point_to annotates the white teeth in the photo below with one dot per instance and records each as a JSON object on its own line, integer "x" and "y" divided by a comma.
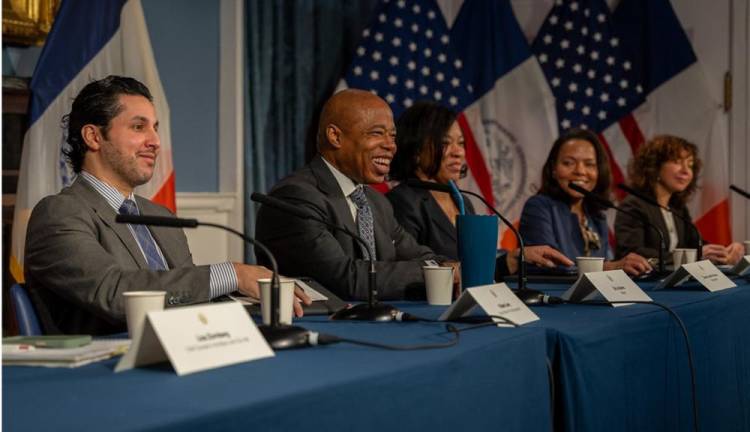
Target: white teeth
{"x": 382, "y": 161}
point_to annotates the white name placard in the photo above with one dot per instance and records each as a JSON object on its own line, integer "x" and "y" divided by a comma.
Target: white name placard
{"x": 197, "y": 338}
{"x": 496, "y": 300}
{"x": 742, "y": 268}
{"x": 705, "y": 272}
{"x": 612, "y": 285}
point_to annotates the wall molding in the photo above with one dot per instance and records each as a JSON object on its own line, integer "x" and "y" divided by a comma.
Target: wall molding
{"x": 210, "y": 245}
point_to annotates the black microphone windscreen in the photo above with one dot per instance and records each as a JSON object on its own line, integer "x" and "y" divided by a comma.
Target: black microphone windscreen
{"x": 428, "y": 185}
{"x": 579, "y": 189}
{"x": 587, "y": 193}
{"x": 279, "y": 205}
{"x": 156, "y": 221}
{"x": 641, "y": 196}
{"x": 740, "y": 191}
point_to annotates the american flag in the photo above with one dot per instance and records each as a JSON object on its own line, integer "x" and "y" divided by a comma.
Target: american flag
{"x": 406, "y": 56}
{"x": 590, "y": 74}
{"x": 610, "y": 72}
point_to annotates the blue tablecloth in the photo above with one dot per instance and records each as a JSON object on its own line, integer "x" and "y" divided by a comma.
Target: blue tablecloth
{"x": 626, "y": 368}
{"x": 494, "y": 379}
{"x": 616, "y": 369}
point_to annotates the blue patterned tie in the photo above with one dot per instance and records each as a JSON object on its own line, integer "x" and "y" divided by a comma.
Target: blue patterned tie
{"x": 365, "y": 221}
{"x": 143, "y": 237}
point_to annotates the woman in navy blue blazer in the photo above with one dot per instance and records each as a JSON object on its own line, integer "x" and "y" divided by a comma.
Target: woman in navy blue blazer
{"x": 563, "y": 218}
{"x": 431, "y": 148}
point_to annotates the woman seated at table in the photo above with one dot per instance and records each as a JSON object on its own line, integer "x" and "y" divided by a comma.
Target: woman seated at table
{"x": 665, "y": 169}
{"x": 431, "y": 148}
{"x": 563, "y": 218}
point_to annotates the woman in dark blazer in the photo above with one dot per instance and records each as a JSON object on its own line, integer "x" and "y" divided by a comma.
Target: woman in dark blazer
{"x": 665, "y": 169}
{"x": 431, "y": 148}
{"x": 563, "y": 218}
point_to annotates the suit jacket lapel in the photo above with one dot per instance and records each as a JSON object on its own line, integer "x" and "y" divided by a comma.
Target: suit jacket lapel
{"x": 438, "y": 215}
{"x": 656, "y": 216}
{"x": 107, "y": 215}
{"x": 162, "y": 235}
{"x": 329, "y": 186}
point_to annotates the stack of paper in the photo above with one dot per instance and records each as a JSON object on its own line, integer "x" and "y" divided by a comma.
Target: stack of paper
{"x": 64, "y": 357}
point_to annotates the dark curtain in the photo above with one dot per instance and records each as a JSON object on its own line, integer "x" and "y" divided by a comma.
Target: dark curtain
{"x": 297, "y": 51}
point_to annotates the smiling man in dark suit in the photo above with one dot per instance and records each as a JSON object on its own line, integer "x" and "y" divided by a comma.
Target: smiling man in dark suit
{"x": 356, "y": 143}
{"x": 78, "y": 259}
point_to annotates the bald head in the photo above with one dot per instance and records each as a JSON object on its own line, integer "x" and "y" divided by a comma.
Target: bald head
{"x": 345, "y": 109}
{"x": 356, "y": 134}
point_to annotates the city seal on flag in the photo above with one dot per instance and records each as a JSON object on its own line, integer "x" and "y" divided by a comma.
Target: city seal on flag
{"x": 507, "y": 163}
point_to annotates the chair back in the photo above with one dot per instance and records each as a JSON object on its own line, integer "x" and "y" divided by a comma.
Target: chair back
{"x": 28, "y": 323}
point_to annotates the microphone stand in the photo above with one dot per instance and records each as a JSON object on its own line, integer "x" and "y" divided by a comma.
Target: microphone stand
{"x": 607, "y": 203}
{"x": 373, "y": 310}
{"x": 525, "y": 294}
{"x": 279, "y": 336}
{"x": 653, "y": 202}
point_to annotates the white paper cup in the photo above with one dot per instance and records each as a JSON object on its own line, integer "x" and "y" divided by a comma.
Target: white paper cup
{"x": 747, "y": 247}
{"x": 286, "y": 300}
{"x": 439, "y": 284}
{"x": 682, "y": 256}
{"x": 137, "y": 305}
{"x": 589, "y": 264}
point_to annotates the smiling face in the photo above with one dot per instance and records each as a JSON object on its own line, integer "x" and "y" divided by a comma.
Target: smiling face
{"x": 126, "y": 155}
{"x": 362, "y": 139}
{"x": 453, "y": 158}
{"x": 576, "y": 163}
{"x": 675, "y": 175}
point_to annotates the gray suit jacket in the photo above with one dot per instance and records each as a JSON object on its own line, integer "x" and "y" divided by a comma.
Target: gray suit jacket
{"x": 307, "y": 248}
{"x": 79, "y": 261}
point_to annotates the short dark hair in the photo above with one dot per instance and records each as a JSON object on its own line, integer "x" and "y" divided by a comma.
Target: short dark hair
{"x": 643, "y": 169}
{"x": 550, "y": 185}
{"x": 423, "y": 125}
{"x": 97, "y": 103}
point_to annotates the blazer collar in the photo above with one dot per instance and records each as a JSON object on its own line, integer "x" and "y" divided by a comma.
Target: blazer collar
{"x": 328, "y": 185}
{"x": 437, "y": 214}
{"x": 106, "y": 214}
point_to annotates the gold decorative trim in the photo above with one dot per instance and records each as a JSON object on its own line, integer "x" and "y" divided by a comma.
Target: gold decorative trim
{"x": 27, "y": 22}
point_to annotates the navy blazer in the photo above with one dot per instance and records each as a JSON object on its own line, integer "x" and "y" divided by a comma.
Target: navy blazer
{"x": 547, "y": 221}
{"x": 420, "y": 214}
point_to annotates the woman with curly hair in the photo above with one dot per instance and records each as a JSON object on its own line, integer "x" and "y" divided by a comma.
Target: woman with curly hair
{"x": 563, "y": 218}
{"x": 666, "y": 169}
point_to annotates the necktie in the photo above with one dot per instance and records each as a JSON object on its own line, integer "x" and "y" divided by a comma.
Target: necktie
{"x": 143, "y": 237}
{"x": 365, "y": 221}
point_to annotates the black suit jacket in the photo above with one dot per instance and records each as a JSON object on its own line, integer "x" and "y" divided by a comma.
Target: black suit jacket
{"x": 307, "y": 248}
{"x": 633, "y": 235}
{"x": 420, "y": 214}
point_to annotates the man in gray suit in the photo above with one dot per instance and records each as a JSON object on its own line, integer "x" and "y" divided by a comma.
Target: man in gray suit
{"x": 356, "y": 143}
{"x": 78, "y": 259}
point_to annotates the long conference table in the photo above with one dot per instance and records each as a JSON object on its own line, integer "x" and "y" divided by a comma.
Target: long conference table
{"x": 579, "y": 368}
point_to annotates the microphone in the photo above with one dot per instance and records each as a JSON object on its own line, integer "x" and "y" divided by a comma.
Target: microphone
{"x": 277, "y": 335}
{"x": 647, "y": 199}
{"x": 528, "y": 296}
{"x": 370, "y": 311}
{"x": 742, "y": 192}
{"x": 157, "y": 221}
{"x": 607, "y": 203}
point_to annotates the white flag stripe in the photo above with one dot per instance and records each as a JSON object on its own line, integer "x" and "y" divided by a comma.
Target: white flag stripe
{"x": 127, "y": 53}
{"x": 683, "y": 106}
{"x": 514, "y": 125}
